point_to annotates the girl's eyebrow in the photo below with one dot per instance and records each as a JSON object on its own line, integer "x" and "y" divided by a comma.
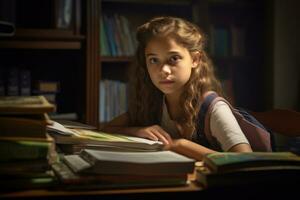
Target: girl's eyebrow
{"x": 173, "y": 52}
{"x": 151, "y": 54}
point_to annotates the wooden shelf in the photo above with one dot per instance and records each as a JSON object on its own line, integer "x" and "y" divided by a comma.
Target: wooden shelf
{"x": 43, "y": 39}
{"x": 108, "y": 59}
{"x": 49, "y": 34}
{"x": 158, "y": 2}
{"x": 41, "y": 44}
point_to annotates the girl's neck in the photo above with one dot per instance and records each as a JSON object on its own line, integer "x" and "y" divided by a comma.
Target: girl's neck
{"x": 173, "y": 105}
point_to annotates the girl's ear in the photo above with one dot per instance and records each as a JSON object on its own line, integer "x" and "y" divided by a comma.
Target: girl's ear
{"x": 196, "y": 56}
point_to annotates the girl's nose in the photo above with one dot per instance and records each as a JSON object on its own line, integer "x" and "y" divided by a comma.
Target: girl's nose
{"x": 166, "y": 69}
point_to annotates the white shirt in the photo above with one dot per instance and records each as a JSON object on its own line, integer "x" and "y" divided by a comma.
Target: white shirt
{"x": 223, "y": 125}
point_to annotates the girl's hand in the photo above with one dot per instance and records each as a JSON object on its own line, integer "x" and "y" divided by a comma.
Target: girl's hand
{"x": 188, "y": 148}
{"x": 176, "y": 145}
{"x": 154, "y": 132}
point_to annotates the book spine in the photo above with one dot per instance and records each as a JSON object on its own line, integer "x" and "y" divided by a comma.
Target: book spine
{"x": 25, "y": 83}
{"x": 23, "y": 150}
{"x": 13, "y": 82}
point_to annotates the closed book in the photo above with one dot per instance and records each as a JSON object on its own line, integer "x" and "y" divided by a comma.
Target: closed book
{"x": 23, "y": 149}
{"x": 137, "y": 163}
{"x": 279, "y": 175}
{"x": 23, "y": 125}
{"x": 47, "y": 86}
{"x": 27, "y": 148}
{"x": 25, "y": 105}
{"x": 229, "y": 161}
{"x": 72, "y": 180}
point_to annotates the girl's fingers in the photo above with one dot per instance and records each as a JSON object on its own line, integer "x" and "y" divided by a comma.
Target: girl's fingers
{"x": 152, "y": 136}
{"x": 165, "y": 134}
{"x": 160, "y": 136}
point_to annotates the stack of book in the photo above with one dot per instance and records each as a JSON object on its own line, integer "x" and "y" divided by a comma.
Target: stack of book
{"x": 25, "y": 148}
{"x": 75, "y": 138}
{"x": 122, "y": 169}
{"x": 259, "y": 168}
{"x": 105, "y": 160}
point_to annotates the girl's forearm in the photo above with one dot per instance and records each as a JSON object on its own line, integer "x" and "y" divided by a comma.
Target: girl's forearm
{"x": 190, "y": 149}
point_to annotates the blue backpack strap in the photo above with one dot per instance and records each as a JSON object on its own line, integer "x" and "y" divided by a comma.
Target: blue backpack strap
{"x": 201, "y": 138}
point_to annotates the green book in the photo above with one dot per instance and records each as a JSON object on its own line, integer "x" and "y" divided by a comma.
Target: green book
{"x": 280, "y": 175}
{"x": 14, "y": 150}
{"x": 229, "y": 161}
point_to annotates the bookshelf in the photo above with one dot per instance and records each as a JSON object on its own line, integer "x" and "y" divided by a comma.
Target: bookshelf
{"x": 238, "y": 46}
{"x": 55, "y": 41}
{"x": 236, "y": 41}
{"x": 115, "y": 65}
{"x": 72, "y": 55}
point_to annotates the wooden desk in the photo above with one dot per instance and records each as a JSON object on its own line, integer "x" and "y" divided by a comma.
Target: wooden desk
{"x": 187, "y": 192}
{"x": 133, "y": 193}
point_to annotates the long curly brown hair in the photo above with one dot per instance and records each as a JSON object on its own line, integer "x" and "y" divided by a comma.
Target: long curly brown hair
{"x": 145, "y": 103}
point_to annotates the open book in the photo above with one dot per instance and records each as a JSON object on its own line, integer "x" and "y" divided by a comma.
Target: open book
{"x": 129, "y": 163}
{"x": 83, "y": 138}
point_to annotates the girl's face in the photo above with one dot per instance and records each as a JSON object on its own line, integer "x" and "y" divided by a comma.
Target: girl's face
{"x": 169, "y": 64}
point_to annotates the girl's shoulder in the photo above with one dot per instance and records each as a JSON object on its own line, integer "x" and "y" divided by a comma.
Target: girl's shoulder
{"x": 207, "y": 93}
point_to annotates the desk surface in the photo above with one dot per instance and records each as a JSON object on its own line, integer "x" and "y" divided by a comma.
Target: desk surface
{"x": 190, "y": 187}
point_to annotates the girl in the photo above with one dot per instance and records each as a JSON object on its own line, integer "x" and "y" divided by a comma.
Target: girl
{"x": 172, "y": 75}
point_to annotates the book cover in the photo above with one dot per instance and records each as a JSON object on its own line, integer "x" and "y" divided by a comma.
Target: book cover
{"x": 24, "y": 125}
{"x": 47, "y": 86}
{"x": 229, "y": 161}
{"x": 12, "y": 150}
{"x": 137, "y": 163}
{"x": 25, "y": 105}
{"x": 279, "y": 175}
{"x": 73, "y": 180}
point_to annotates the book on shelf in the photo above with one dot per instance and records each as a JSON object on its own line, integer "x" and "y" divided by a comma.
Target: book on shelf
{"x": 25, "y": 82}
{"x": 12, "y": 82}
{"x": 100, "y": 162}
{"x": 25, "y": 105}
{"x": 94, "y": 139}
{"x": 64, "y": 14}
{"x": 230, "y": 161}
{"x": 116, "y": 36}
{"x": 47, "y": 86}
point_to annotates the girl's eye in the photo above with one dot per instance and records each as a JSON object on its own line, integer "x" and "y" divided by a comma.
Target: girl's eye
{"x": 174, "y": 59}
{"x": 153, "y": 60}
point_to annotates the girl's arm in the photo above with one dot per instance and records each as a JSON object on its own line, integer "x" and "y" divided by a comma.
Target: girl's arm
{"x": 196, "y": 151}
{"x": 120, "y": 125}
{"x": 188, "y": 148}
